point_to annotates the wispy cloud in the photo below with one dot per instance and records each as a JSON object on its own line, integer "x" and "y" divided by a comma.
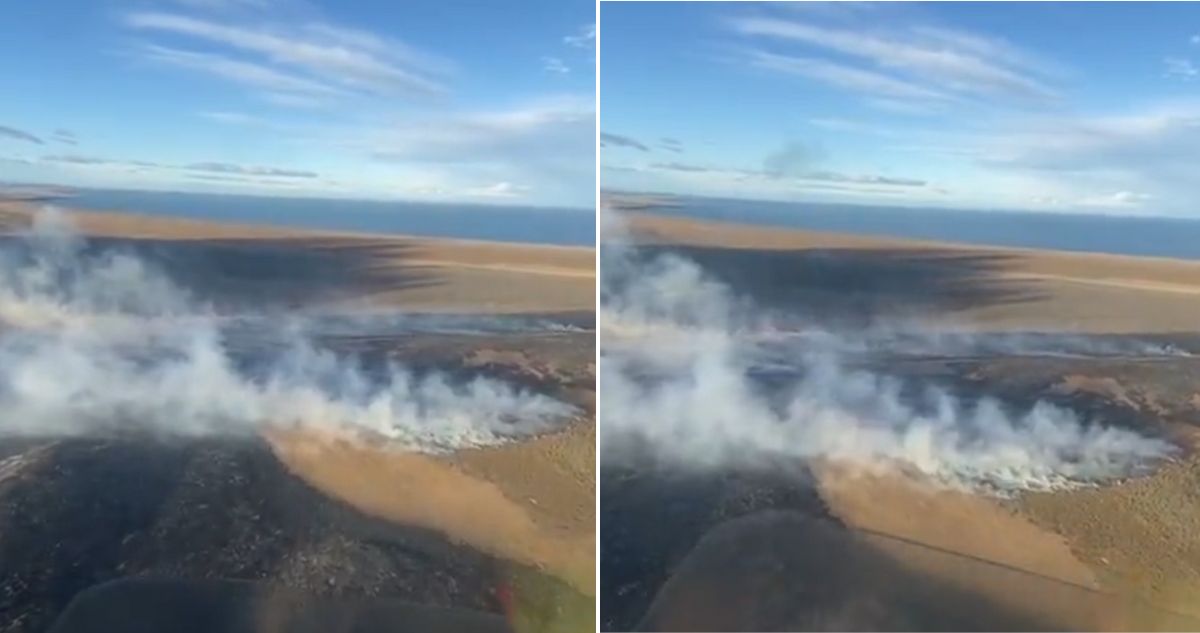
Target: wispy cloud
{"x": 562, "y": 125}
{"x": 1116, "y": 199}
{"x": 584, "y": 38}
{"x": 498, "y": 190}
{"x": 687, "y": 167}
{"x": 231, "y": 168}
{"x": 329, "y": 59}
{"x": 555, "y": 65}
{"x": 66, "y": 137}
{"x": 617, "y": 140}
{"x": 220, "y": 168}
{"x": 1180, "y": 68}
{"x": 837, "y": 124}
{"x": 908, "y": 62}
{"x": 1152, "y": 151}
{"x": 1153, "y": 139}
{"x": 846, "y": 77}
{"x": 245, "y": 181}
{"x": 1014, "y": 128}
{"x": 799, "y": 177}
{"x": 76, "y": 159}
{"x": 671, "y": 144}
{"x": 251, "y": 75}
{"x": 20, "y": 135}
{"x": 382, "y": 115}
{"x": 221, "y": 5}
{"x": 231, "y": 118}
{"x": 545, "y": 144}
{"x": 721, "y": 180}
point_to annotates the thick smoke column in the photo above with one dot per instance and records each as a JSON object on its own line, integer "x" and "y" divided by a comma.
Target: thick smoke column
{"x": 97, "y": 341}
{"x": 679, "y": 351}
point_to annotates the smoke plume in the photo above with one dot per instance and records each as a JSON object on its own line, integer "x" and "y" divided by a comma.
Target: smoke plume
{"x": 679, "y": 367}
{"x": 99, "y": 341}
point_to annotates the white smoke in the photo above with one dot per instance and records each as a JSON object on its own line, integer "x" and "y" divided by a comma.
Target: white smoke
{"x": 96, "y": 341}
{"x": 679, "y": 353}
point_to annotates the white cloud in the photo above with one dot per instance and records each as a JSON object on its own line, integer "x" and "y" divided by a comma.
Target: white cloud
{"x": 1126, "y": 198}
{"x": 941, "y": 59}
{"x": 840, "y": 125}
{"x": 206, "y": 167}
{"x": 987, "y": 48}
{"x": 351, "y": 59}
{"x": 585, "y": 38}
{"x": 551, "y": 129}
{"x": 554, "y": 65}
{"x": 1181, "y": 68}
{"x": 232, "y": 118}
{"x": 388, "y": 124}
{"x": 249, "y": 170}
{"x": 847, "y": 77}
{"x": 793, "y": 172}
{"x": 1133, "y": 159}
{"x": 224, "y": 4}
{"x": 547, "y": 145}
{"x": 498, "y": 190}
{"x": 1141, "y": 161}
{"x": 1151, "y": 139}
{"x": 294, "y": 100}
{"x": 1005, "y": 139}
{"x": 257, "y": 76}
{"x": 1117, "y": 200}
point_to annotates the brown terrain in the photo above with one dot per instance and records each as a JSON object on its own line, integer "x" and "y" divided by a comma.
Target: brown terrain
{"x": 952, "y": 285}
{"x": 1119, "y": 556}
{"x": 304, "y": 266}
{"x": 506, "y": 529}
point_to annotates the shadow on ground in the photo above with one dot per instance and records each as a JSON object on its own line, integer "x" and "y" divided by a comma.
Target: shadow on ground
{"x": 265, "y": 273}
{"x": 856, "y": 286}
{"x": 651, "y": 518}
{"x": 207, "y": 606}
{"x": 93, "y": 510}
{"x": 783, "y": 571}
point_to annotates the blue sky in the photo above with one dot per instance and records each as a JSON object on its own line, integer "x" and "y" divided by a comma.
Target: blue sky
{"x": 438, "y": 100}
{"x": 1070, "y": 107}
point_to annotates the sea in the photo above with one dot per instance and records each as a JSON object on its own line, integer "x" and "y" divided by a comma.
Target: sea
{"x": 1122, "y": 235}
{"x": 563, "y": 226}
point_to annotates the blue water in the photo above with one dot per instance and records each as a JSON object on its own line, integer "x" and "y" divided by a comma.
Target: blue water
{"x": 1144, "y": 236}
{"x": 482, "y": 222}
